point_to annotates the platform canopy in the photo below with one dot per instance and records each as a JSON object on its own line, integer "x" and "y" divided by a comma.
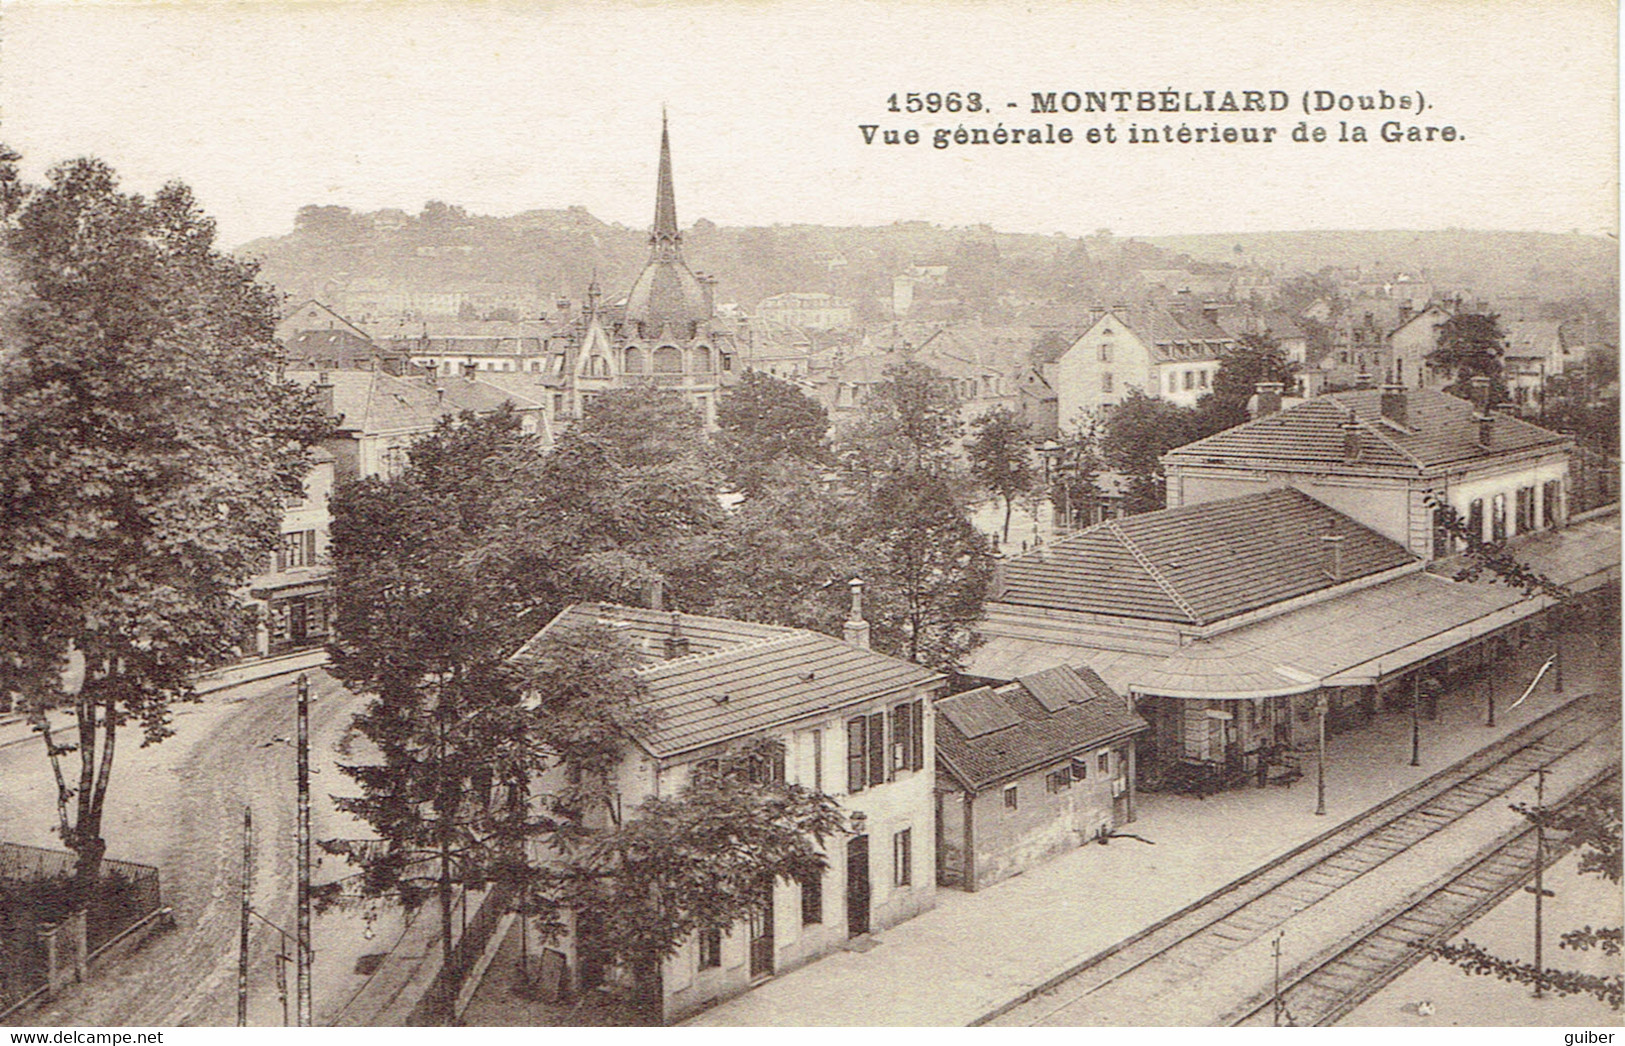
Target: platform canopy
{"x": 1354, "y": 639}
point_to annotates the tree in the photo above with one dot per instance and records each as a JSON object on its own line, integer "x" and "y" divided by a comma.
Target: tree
{"x": 701, "y": 861}
{"x": 1255, "y": 358}
{"x": 781, "y": 557}
{"x": 628, "y": 496}
{"x": 1470, "y": 344}
{"x": 1000, "y": 459}
{"x": 1591, "y": 822}
{"x": 909, "y": 422}
{"x": 1135, "y": 433}
{"x": 146, "y": 449}
{"x": 928, "y": 569}
{"x": 435, "y": 581}
{"x": 764, "y": 420}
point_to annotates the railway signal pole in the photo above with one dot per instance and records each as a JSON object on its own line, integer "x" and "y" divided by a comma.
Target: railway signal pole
{"x": 1539, "y": 889}
{"x": 1275, "y": 946}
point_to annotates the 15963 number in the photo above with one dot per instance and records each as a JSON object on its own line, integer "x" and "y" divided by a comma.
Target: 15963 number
{"x": 935, "y": 102}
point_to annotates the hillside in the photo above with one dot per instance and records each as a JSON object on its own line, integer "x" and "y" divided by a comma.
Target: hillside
{"x": 543, "y": 254}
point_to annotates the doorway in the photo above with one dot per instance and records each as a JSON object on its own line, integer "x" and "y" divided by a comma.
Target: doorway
{"x": 761, "y": 935}
{"x": 857, "y": 886}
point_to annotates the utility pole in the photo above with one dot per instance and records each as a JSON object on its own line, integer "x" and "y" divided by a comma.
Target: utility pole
{"x": 247, "y": 910}
{"x": 1539, "y": 888}
{"x": 1489, "y": 687}
{"x": 1416, "y": 720}
{"x": 1275, "y": 947}
{"x": 302, "y": 944}
{"x": 1320, "y": 757}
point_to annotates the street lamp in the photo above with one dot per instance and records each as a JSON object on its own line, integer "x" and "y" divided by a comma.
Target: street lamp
{"x": 1321, "y": 707}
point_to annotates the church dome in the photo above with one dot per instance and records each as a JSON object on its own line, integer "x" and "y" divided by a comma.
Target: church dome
{"x": 667, "y": 292}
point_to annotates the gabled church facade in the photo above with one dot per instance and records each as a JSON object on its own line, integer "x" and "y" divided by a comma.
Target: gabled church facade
{"x": 667, "y": 333}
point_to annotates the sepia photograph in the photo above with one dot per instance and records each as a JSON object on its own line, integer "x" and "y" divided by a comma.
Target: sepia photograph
{"x": 538, "y": 513}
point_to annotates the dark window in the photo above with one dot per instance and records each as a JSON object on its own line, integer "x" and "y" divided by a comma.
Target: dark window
{"x": 857, "y": 761}
{"x": 903, "y": 857}
{"x": 1526, "y": 509}
{"x": 1058, "y": 780}
{"x": 1010, "y": 798}
{"x": 1080, "y": 769}
{"x": 1106, "y": 760}
{"x": 1106, "y": 381}
{"x": 902, "y": 727}
{"x": 877, "y": 749}
{"x": 812, "y": 901}
{"x": 1498, "y": 518}
{"x": 1551, "y": 495}
{"x": 710, "y": 949}
{"x": 1475, "y": 518}
{"x": 917, "y": 757}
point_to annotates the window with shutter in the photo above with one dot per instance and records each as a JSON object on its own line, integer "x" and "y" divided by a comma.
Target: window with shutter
{"x": 917, "y": 757}
{"x": 857, "y": 732}
{"x": 903, "y": 857}
{"x": 902, "y": 723}
{"x": 877, "y": 748}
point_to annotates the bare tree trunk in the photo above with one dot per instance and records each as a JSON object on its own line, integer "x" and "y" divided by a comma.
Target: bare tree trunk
{"x": 86, "y": 839}
{"x": 1007, "y": 508}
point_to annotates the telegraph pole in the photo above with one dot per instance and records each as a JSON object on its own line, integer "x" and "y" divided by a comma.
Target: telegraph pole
{"x": 1540, "y": 861}
{"x": 302, "y": 944}
{"x": 1489, "y": 687}
{"x": 247, "y": 910}
{"x": 1275, "y": 946}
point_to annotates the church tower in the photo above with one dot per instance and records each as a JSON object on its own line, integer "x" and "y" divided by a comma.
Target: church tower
{"x": 668, "y": 333}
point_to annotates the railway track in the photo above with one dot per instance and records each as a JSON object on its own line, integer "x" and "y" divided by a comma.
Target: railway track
{"x": 1119, "y": 985}
{"x": 1328, "y": 988}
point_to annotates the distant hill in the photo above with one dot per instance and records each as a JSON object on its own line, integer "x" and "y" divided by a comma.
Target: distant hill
{"x": 1485, "y": 264}
{"x": 1002, "y": 277}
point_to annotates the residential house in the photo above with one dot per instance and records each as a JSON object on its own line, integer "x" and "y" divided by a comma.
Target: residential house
{"x": 1377, "y": 456}
{"x": 1029, "y": 770}
{"x": 1536, "y": 350}
{"x": 293, "y": 596}
{"x": 378, "y": 415}
{"x": 312, "y": 315}
{"x": 807, "y": 309}
{"x": 1169, "y": 354}
{"x": 1411, "y": 343}
{"x": 852, "y": 723}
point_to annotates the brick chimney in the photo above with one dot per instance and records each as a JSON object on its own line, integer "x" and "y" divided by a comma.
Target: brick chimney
{"x": 1394, "y": 405}
{"x": 1351, "y": 441}
{"x": 1269, "y": 398}
{"x": 676, "y": 642}
{"x": 856, "y": 629}
{"x": 1332, "y": 558}
{"x": 324, "y": 395}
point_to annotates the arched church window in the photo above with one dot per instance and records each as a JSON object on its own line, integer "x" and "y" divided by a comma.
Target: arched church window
{"x": 702, "y": 360}
{"x": 668, "y": 360}
{"x": 597, "y": 366}
{"x": 634, "y": 360}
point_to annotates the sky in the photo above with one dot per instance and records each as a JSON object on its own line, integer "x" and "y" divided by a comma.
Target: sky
{"x": 263, "y": 107}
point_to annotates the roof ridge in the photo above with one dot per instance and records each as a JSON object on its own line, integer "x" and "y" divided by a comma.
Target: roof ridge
{"x": 1150, "y": 568}
{"x": 757, "y": 643}
{"x": 1376, "y": 430}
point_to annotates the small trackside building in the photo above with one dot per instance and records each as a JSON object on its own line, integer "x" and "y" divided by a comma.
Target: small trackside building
{"x": 1029, "y": 770}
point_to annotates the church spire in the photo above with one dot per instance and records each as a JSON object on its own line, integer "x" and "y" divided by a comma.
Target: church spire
{"x": 665, "y": 231}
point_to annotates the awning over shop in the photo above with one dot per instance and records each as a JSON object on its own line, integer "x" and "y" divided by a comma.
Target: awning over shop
{"x": 288, "y": 584}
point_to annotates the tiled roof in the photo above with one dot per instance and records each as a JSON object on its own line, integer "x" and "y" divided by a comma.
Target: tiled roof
{"x": 1344, "y": 641}
{"x": 740, "y": 677}
{"x": 1199, "y": 563}
{"x": 373, "y": 401}
{"x": 1032, "y": 734}
{"x": 1439, "y": 430}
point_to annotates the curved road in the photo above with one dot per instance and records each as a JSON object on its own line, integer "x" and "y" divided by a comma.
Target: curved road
{"x": 184, "y": 799}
